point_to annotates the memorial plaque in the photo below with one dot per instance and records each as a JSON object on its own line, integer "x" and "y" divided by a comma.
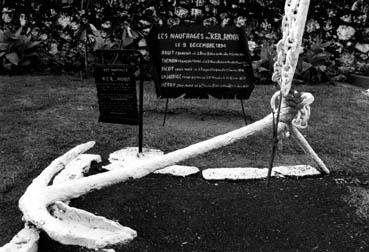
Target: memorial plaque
{"x": 199, "y": 61}
{"x": 116, "y": 93}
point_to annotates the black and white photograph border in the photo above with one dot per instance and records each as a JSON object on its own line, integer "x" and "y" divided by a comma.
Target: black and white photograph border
{"x": 265, "y": 147}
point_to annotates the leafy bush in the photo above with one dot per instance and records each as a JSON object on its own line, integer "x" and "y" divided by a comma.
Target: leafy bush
{"x": 74, "y": 29}
{"x": 314, "y": 64}
{"x": 264, "y": 67}
{"x": 17, "y": 51}
{"x": 363, "y": 69}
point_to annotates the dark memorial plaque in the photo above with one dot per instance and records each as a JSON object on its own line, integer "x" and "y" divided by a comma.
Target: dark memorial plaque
{"x": 199, "y": 61}
{"x": 116, "y": 93}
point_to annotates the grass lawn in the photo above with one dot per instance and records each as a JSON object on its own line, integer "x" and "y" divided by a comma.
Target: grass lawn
{"x": 41, "y": 117}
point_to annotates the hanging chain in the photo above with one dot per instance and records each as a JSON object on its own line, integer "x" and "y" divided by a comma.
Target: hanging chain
{"x": 275, "y": 137}
{"x": 288, "y": 50}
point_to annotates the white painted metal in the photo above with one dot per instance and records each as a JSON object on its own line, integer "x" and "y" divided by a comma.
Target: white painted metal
{"x": 129, "y": 156}
{"x": 76, "y": 168}
{"x": 25, "y": 241}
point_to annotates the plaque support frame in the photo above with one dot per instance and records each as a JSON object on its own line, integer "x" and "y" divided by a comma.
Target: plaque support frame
{"x": 139, "y": 56}
{"x": 166, "y": 111}
{"x": 243, "y": 112}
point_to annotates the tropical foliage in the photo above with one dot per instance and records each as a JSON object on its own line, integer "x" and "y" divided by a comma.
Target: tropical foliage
{"x": 17, "y": 50}
{"x": 336, "y": 41}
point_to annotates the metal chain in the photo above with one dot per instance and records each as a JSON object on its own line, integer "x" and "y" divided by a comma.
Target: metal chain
{"x": 288, "y": 50}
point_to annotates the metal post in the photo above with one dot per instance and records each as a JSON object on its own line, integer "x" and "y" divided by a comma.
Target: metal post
{"x": 140, "y": 112}
{"x": 243, "y": 112}
{"x": 166, "y": 110}
{"x": 275, "y": 138}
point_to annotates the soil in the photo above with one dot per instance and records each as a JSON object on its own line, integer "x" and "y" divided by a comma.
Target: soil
{"x": 191, "y": 214}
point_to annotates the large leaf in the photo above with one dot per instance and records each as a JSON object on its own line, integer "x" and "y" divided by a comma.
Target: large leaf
{"x": 257, "y": 63}
{"x": 129, "y": 36}
{"x": 126, "y": 40}
{"x": 19, "y": 42}
{"x": 95, "y": 31}
{"x": 33, "y": 54}
{"x": 19, "y": 31}
{"x": 266, "y": 52}
{"x": 33, "y": 44}
{"x": 305, "y": 66}
{"x": 13, "y": 58}
{"x": 111, "y": 45}
{"x": 83, "y": 34}
{"x": 17, "y": 34}
{"x": 25, "y": 63}
{"x": 3, "y": 36}
{"x": 4, "y": 46}
{"x": 326, "y": 44}
{"x": 262, "y": 69}
{"x": 319, "y": 57}
{"x": 99, "y": 43}
{"x": 26, "y": 39}
{"x": 8, "y": 66}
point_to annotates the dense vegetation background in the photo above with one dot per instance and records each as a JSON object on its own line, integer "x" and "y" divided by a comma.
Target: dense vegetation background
{"x": 61, "y": 36}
